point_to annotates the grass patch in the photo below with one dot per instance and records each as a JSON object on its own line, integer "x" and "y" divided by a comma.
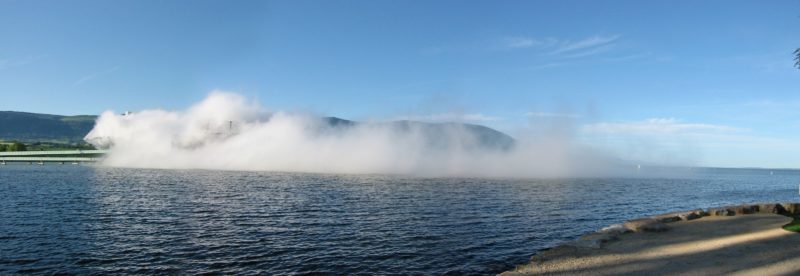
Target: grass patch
{"x": 793, "y": 226}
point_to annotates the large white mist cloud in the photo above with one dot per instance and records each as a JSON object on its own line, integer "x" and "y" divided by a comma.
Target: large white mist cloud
{"x": 226, "y": 131}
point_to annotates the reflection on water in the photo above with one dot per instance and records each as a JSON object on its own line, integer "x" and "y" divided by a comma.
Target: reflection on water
{"x": 102, "y": 220}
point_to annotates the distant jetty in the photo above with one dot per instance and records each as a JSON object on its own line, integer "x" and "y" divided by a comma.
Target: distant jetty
{"x": 60, "y": 157}
{"x": 749, "y": 239}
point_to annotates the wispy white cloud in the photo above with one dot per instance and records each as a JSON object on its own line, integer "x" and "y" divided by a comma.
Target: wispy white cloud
{"x": 516, "y": 42}
{"x": 85, "y": 79}
{"x": 92, "y": 76}
{"x": 450, "y": 116}
{"x": 590, "y": 52}
{"x": 587, "y": 43}
{"x": 671, "y": 141}
{"x": 562, "y": 48}
{"x": 10, "y": 63}
{"x": 548, "y": 65}
{"x": 520, "y": 42}
{"x": 551, "y": 115}
{"x": 656, "y": 126}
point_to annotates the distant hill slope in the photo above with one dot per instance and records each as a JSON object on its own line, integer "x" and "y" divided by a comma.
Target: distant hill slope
{"x": 34, "y": 127}
{"x": 442, "y": 135}
{"x": 24, "y": 126}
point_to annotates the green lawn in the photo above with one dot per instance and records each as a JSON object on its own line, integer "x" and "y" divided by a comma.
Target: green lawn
{"x": 793, "y": 226}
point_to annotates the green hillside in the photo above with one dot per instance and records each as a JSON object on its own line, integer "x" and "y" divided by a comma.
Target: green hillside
{"x": 34, "y": 127}
{"x": 48, "y": 132}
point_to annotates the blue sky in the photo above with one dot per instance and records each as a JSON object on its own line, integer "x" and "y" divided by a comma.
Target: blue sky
{"x": 689, "y": 82}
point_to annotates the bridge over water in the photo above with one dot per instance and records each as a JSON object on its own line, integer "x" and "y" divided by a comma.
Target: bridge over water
{"x": 59, "y": 156}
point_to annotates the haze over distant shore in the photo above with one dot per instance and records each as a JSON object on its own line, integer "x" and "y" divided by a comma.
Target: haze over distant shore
{"x": 226, "y": 131}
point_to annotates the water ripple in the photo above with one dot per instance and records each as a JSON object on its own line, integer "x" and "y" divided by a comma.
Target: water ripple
{"x": 84, "y": 220}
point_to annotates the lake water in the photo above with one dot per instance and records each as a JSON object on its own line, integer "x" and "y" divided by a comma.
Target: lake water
{"x": 94, "y": 220}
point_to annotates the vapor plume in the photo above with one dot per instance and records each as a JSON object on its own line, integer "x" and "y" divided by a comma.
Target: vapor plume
{"x": 228, "y": 132}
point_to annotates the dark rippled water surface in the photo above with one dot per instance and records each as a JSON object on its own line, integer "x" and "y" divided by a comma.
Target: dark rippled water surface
{"x": 86, "y": 220}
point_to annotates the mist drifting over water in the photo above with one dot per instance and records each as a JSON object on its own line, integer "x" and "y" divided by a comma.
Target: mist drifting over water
{"x": 228, "y": 132}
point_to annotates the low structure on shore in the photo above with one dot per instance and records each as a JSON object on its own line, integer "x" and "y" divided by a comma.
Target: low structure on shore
{"x": 745, "y": 239}
{"x": 59, "y": 156}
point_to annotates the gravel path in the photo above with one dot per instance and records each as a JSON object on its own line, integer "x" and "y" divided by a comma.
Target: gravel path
{"x": 745, "y": 245}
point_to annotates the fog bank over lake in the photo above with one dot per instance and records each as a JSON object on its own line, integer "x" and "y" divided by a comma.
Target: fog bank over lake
{"x": 227, "y": 131}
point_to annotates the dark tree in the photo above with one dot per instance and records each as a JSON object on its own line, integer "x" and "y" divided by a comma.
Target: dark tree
{"x": 797, "y": 58}
{"x": 17, "y": 146}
